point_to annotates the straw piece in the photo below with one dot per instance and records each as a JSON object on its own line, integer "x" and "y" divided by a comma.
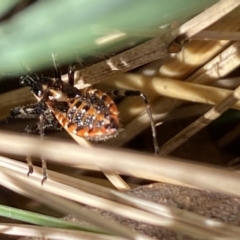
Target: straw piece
{"x": 19, "y": 183}
{"x": 147, "y": 52}
{"x": 196, "y": 53}
{"x": 217, "y": 35}
{"x": 112, "y": 176}
{"x": 51, "y": 233}
{"x": 162, "y": 106}
{"x": 153, "y": 49}
{"x": 166, "y": 87}
{"x": 218, "y": 67}
{"x": 206, "y": 18}
{"x": 160, "y": 215}
{"x": 124, "y": 162}
{"x": 200, "y": 123}
{"x": 191, "y": 92}
{"x": 193, "y": 55}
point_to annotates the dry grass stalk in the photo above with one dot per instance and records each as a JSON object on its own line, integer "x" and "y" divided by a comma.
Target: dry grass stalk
{"x": 166, "y": 87}
{"x": 200, "y": 123}
{"x": 218, "y": 67}
{"x": 112, "y": 176}
{"x": 191, "y": 92}
{"x": 153, "y": 49}
{"x": 182, "y": 112}
{"x": 192, "y": 56}
{"x": 113, "y": 66}
{"x": 128, "y": 206}
{"x": 124, "y": 162}
{"x": 206, "y": 18}
{"x": 216, "y": 35}
{"x": 51, "y": 233}
{"x": 147, "y": 52}
{"x": 163, "y": 106}
{"x": 20, "y": 184}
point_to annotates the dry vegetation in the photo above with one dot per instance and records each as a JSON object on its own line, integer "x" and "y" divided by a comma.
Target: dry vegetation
{"x": 188, "y": 191}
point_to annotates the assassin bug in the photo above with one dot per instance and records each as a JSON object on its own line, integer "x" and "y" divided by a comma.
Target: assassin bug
{"x": 89, "y": 113}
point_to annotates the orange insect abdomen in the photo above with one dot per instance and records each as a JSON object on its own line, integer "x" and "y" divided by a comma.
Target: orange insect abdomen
{"x": 92, "y": 115}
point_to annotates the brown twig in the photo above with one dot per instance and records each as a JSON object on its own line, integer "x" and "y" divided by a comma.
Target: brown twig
{"x": 142, "y": 54}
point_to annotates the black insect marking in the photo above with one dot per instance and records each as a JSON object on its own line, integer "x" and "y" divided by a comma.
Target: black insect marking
{"x": 78, "y": 103}
{"x": 104, "y": 98}
{"x": 86, "y": 108}
{"x": 71, "y": 91}
{"x": 113, "y": 124}
{"x": 79, "y": 128}
{"x": 61, "y": 106}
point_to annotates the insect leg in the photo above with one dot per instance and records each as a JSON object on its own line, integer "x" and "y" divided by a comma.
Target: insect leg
{"x": 132, "y": 93}
{"x": 28, "y": 111}
{"x": 46, "y": 120}
{"x": 30, "y": 165}
{"x": 41, "y": 132}
{"x": 34, "y": 110}
{"x": 50, "y": 122}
